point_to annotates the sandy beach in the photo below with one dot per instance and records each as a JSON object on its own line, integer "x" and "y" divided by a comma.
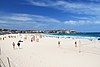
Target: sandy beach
{"x": 38, "y": 50}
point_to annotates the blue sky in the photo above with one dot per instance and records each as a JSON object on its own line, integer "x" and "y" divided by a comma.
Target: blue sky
{"x": 79, "y": 15}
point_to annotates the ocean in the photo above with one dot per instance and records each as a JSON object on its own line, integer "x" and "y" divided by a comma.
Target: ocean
{"x": 80, "y": 35}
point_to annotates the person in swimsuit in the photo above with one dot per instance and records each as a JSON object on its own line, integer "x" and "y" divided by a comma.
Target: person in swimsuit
{"x": 13, "y": 45}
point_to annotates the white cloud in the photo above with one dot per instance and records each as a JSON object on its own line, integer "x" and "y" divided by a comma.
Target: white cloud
{"x": 91, "y": 11}
{"x": 3, "y": 21}
{"x": 19, "y": 18}
{"x": 28, "y": 18}
{"x": 97, "y": 22}
{"x": 71, "y": 22}
{"x": 16, "y": 17}
{"x": 38, "y": 3}
{"x": 79, "y": 8}
{"x": 31, "y": 22}
{"x": 79, "y": 22}
{"x": 44, "y": 19}
{"x": 28, "y": 21}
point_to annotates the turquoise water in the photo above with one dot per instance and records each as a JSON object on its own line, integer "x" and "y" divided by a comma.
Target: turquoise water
{"x": 80, "y": 35}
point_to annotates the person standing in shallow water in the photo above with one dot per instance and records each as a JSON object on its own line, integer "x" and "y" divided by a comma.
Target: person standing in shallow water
{"x": 13, "y": 45}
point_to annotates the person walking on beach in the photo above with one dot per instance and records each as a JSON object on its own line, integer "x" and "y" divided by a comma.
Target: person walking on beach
{"x": 3, "y": 38}
{"x": 75, "y": 44}
{"x": 18, "y": 44}
{"x": 13, "y": 45}
{"x": 58, "y": 43}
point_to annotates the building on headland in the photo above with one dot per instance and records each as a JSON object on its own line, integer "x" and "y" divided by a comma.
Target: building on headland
{"x": 7, "y": 31}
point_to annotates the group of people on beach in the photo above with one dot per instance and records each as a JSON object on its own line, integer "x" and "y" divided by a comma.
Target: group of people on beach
{"x": 76, "y": 44}
{"x": 34, "y": 39}
{"x": 18, "y": 44}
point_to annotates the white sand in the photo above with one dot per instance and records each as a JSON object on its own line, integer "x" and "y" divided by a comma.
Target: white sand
{"x": 47, "y": 53}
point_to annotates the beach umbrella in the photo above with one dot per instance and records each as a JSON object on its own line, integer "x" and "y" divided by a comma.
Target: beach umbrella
{"x": 20, "y": 41}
